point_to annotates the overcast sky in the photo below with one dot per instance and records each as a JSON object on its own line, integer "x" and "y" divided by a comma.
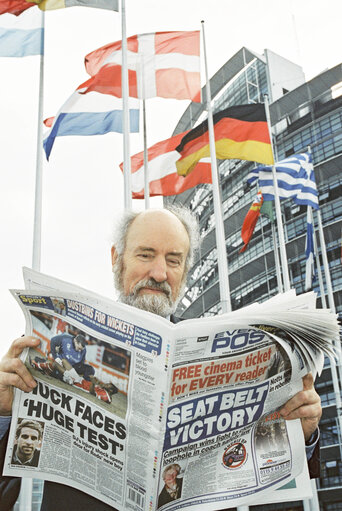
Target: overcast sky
{"x": 83, "y": 186}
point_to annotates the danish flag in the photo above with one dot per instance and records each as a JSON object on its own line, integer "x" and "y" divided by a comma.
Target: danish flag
{"x": 163, "y": 64}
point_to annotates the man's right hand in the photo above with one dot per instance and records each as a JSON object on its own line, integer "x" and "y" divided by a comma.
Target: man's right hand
{"x": 13, "y": 373}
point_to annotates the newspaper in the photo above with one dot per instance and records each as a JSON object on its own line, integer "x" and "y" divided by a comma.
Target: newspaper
{"x": 165, "y": 416}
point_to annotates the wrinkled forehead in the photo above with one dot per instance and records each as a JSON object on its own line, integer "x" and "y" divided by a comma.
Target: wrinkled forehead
{"x": 158, "y": 228}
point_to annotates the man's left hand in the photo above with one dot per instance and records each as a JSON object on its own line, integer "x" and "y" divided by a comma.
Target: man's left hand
{"x": 306, "y": 406}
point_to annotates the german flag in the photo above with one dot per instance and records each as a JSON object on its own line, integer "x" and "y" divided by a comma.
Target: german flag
{"x": 241, "y": 132}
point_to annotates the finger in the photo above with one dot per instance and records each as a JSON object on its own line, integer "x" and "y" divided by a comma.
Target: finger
{"x": 14, "y": 380}
{"x": 308, "y": 412}
{"x": 308, "y": 382}
{"x": 304, "y": 397}
{"x": 16, "y": 367}
{"x": 18, "y": 346}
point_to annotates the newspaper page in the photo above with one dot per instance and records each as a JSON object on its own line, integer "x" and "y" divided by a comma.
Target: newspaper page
{"x": 83, "y": 428}
{"x": 156, "y": 415}
{"x": 224, "y": 434}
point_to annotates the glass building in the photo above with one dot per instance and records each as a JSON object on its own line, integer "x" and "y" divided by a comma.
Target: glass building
{"x": 303, "y": 114}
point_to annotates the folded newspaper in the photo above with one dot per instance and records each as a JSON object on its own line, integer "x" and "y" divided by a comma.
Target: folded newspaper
{"x": 144, "y": 414}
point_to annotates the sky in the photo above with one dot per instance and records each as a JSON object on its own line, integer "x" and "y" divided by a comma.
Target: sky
{"x": 82, "y": 182}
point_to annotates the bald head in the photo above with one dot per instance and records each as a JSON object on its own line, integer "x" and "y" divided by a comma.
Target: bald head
{"x": 150, "y": 261}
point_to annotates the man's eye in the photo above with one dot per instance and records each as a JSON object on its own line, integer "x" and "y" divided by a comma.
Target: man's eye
{"x": 144, "y": 256}
{"x": 174, "y": 262}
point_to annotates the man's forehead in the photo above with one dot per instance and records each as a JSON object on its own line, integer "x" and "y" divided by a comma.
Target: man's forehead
{"x": 29, "y": 431}
{"x": 153, "y": 226}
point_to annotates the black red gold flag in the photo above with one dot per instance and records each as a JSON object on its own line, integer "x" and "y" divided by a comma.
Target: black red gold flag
{"x": 241, "y": 132}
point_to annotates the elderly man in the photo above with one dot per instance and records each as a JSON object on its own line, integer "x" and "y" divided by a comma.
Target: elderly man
{"x": 151, "y": 256}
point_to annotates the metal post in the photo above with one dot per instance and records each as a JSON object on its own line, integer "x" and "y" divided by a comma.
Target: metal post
{"x": 125, "y": 116}
{"x": 37, "y": 225}
{"x": 219, "y": 227}
{"x": 282, "y": 247}
{"x": 146, "y": 175}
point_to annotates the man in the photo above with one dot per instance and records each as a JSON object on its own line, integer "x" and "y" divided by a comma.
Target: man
{"x": 28, "y": 436}
{"x": 172, "y": 489}
{"x": 151, "y": 256}
{"x": 69, "y": 365}
{"x": 69, "y": 354}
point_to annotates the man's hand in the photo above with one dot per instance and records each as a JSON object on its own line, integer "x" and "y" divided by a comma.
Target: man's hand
{"x": 305, "y": 405}
{"x": 13, "y": 373}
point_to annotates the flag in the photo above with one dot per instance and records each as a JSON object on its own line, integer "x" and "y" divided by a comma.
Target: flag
{"x": 241, "y": 132}
{"x": 15, "y": 7}
{"x": 90, "y": 114}
{"x": 309, "y": 252}
{"x": 18, "y": 6}
{"x": 267, "y": 210}
{"x": 295, "y": 177}
{"x": 23, "y": 35}
{"x": 163, "y": 64}
{"x": 162, "y": 171}
{"x": 250, "y": 220}
{"x": 47, "y": 5}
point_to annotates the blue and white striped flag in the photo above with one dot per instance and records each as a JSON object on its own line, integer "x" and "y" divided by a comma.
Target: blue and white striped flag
{"x": 90, "y": 114}
{"x": 295, "y": 177}
{"x": 309, "y": 252}
{"x": 21, "y": 36}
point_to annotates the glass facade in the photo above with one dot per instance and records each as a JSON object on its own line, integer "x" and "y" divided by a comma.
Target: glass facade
{"x": 308, "y": 116}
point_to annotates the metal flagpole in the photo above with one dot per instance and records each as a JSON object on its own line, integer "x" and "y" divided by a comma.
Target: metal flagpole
{"x": 283, "y": 257}
{"x": 37, "y": 225}
{"x": 125, "y": 116}
{"x": 146, "y": 176}
{"x": 276, "y": 259}
{"x": 219, "y": 225}
{"x": 26, "y": 489}
{"x": 25, "y": 499}
{"x": 319, "y": 271}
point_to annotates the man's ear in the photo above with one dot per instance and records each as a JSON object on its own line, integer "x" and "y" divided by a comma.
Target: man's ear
{"x": 114, "y": 255}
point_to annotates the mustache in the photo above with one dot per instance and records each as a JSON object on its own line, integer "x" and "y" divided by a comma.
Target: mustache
{"x": 152, "y": 284}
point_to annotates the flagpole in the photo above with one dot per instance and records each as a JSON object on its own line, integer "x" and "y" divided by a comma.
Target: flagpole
{"x": 125, "y": 117}
{"x": 308, "y": 274}
{"x": 319, "y": 271}
{"x": 219, "y": 224}
{"x": 37, "y": 224}
{"x": 25, "y": 499}
{"x": 276, "y": 259}
{"x": 146, "y": 176}
{"x": 282, "y": 247}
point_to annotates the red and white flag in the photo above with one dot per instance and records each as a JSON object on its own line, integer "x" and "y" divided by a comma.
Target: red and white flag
{"x": 162, "y": 170}
{"x": 163, "y": 64}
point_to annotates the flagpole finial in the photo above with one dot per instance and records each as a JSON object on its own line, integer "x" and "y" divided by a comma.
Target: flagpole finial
{"x": 202, "y": 21}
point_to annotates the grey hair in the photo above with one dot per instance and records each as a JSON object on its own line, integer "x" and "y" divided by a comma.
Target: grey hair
{"x": 173, "y": 466}
{"x": 183, "y": 214}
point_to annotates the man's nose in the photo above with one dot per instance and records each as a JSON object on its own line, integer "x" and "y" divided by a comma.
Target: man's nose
{"x": 158, "y": 269}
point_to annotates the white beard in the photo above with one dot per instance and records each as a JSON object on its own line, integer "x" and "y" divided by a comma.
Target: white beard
{"x": 161, "y": 304}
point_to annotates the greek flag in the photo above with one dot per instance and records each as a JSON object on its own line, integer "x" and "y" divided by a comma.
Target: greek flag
{"x": 309, "y": 252}
{"x": 295, "y": 178}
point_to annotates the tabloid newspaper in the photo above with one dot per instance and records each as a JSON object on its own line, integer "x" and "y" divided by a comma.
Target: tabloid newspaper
{"x": 155, "y": 415}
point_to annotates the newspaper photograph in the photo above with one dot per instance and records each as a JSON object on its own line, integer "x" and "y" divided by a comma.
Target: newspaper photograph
{"x": 144, "y": 414}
